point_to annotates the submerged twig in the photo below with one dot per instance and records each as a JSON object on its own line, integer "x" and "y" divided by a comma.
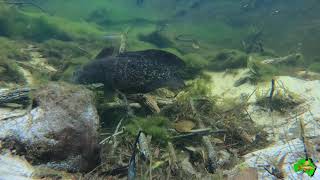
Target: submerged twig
{"x": 271, "y": 94}
{"x": 199, "y": 132}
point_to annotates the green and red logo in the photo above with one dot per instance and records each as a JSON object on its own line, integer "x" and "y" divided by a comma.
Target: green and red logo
{"x": 305, "y": 166}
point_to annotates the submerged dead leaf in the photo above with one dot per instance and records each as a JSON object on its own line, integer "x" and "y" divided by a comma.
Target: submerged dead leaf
{"x": 184, "y": 126}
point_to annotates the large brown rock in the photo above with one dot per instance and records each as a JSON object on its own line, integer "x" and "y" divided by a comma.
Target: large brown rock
{"x": 59, "y": 132}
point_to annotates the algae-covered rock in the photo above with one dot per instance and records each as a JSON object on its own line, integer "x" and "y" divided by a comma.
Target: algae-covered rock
{"x": 59, "y": 132}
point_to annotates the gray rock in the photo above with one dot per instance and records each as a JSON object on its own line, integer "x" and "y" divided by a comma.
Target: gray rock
{"x": 60, "y": 129}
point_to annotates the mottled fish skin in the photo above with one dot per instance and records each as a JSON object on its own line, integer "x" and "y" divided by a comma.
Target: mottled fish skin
{"x": 133, "y": 72}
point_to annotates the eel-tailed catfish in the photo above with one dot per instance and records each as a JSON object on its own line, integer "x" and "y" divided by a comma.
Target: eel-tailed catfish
{"x": 134, "y": 72}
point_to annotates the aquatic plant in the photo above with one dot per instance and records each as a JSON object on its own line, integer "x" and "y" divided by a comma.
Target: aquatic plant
{"x": 9, "y": 72}
{"x": 10, "y": 49}
{"x": 155, "y": 126}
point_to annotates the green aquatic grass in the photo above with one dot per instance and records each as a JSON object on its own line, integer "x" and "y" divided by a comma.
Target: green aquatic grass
{"x": 9, "y": 72}
{"x": 10, "y": 49}
{"x": 156, "y": 126}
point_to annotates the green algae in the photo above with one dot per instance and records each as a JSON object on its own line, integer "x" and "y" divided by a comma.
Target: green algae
{"x": 9, "y": 72}
{"x": 155, "y": 126}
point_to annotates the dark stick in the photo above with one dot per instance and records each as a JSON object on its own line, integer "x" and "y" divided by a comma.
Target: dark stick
{"x": 271, "y": 94}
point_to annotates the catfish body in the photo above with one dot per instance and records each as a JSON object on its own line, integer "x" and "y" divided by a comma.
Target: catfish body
{"x": 134, "y": 72}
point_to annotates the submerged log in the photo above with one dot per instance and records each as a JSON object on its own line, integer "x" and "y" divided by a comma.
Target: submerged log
{"x": 16, "y": 95}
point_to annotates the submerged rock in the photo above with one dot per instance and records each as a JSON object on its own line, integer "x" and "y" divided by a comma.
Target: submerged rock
{"x": 133, "y": 72}
{"x": 15, "y": 167}
{"x": 59, "y": 132}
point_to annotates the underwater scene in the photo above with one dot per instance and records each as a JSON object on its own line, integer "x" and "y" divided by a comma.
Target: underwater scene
{"x": 159, "y": 89}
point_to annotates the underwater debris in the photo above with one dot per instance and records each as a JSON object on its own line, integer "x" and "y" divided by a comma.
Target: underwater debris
{"x": 134, "y": 72}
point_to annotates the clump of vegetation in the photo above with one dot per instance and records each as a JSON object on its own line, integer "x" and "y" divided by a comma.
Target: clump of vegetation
{"x": 9, "y": 72}
{"x": 12, "y": 50}
{"x": 196, "y": 89}
{"x": 228, "y": 59}
{"x": 156, "y": 126}
{"x": 281, "y": 101}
